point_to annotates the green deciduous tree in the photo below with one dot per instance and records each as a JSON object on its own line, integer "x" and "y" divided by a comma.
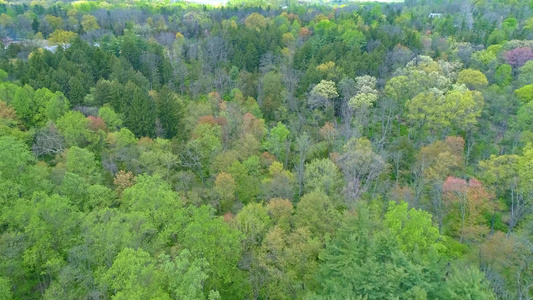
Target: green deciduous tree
{"x": 436, "y": 111}
{"x": 323, "y": 175}
{"x": 61, "y": 36}
{"x": 57, "y": 106}
{"x": 503, "y": 75}
{"x": 155, "y": 200}
{"x": 133, "y": 275}
{"x": 89, "y": 23}
{"x": 5, "y": 289}
{"x": 110, "y": 117}
{"x": 51, "y": 230}
{"x": 82, "y": 162}
{"x": 74, "y": 127}
{"x": 413, "y": 229}
{"x": 209, "y": 237}
{"x": 277, "y": 141}
{"x": 473, "y": 79}
{"x": 14, "y": 158}
{"x": 202, "y": 149}
{"x": 318, "y": 213}
{"x": 254, "y": 222}
{"x": 272, "y": 89}
{"x": 246, "y": 182}
{"x": 23, "y": 104}
{"x": 525, "y": 93}
{"x": 467, "y": 283}
{"x": 225, "y": 188}
{"x": 322, "y": 94}
{"x": 255, "y": 21}
{"x": 525, "y": 74}
{"x": 185, "y": 276}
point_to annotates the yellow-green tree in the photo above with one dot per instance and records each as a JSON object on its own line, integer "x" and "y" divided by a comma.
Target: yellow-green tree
{"x": 438, "y": 112}
{"x": 61, "y": 36}
{"x": 89, "y": 23}
{"x": 473, "y": 79}
{"x": 255, "y": 21}
{"x": 225, "y": 188}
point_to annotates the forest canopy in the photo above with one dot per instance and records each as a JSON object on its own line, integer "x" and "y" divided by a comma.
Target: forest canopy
{"x": 266, "y": 150}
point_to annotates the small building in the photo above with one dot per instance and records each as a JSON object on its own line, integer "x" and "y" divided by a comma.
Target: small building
{"x": 52, "y": 49}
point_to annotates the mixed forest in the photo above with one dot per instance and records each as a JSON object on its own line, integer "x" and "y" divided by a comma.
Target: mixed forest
{"x": 266, "y": 150}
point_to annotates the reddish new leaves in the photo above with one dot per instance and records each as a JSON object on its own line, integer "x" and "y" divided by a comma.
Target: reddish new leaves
{"x": 519, "y": 56}
{"x": 96, "y": 123}
{"x": 470, "y": 200}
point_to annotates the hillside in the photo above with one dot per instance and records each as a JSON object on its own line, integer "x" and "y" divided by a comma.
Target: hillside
{"x": 266, "y": 150}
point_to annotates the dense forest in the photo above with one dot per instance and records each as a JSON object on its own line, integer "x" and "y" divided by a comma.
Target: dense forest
{"x": 266, "y": 150}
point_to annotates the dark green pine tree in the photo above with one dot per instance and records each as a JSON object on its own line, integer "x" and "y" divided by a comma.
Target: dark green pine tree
{"x": 251, "y": 58}
{"x": 116, "y": 95}
{"x": 35, "y": 25}
{"x": 139, "y": 110}
{"x": 37, "y": 72}
{"x": 132, "y": 49}
{"x": 76, "y": 91}
{"x": 102, "y": 92}
{"x": 169, "y": 112}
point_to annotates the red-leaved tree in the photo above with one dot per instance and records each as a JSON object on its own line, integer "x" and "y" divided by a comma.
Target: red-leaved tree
{"x": 519, "y": 56}
{"x": 470, "y": 199}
